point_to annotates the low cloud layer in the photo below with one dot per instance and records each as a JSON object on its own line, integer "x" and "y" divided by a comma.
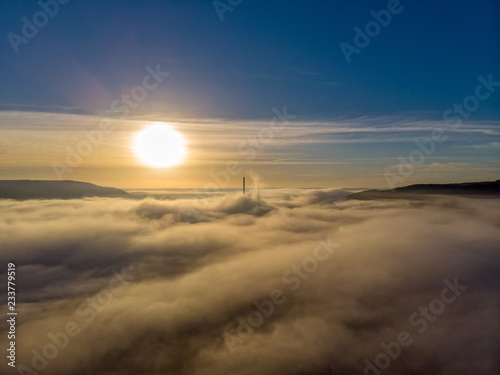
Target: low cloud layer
{"x": 161, "y": 287}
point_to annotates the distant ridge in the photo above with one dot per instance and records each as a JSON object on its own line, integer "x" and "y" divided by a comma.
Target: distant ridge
{"x": 46, "y": 189}
{"x": 476, "y": 189}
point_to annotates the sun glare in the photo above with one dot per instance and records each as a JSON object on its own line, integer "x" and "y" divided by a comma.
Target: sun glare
{"x": 159, "y": 146}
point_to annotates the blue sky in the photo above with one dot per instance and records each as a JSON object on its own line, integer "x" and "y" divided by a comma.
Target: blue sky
{"x": 265, "y": 55}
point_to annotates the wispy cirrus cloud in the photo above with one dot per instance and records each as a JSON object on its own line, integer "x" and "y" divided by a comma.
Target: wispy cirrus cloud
{"x": 34, "y": 140}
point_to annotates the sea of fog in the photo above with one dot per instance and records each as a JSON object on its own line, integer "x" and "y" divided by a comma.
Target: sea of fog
{"x": 279, "y": 281}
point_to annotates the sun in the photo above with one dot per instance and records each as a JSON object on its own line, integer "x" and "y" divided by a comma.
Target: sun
{"x": 159, "y": 146}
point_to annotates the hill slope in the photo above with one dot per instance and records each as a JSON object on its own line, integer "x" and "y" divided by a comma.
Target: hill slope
{"x": 476, "y": 189}
{"x": 35, "y": 189}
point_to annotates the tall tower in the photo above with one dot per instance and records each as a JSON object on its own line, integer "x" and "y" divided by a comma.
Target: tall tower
{"x": 243, "y": 185}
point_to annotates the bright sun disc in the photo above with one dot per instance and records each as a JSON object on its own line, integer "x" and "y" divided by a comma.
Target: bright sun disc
{"x": 159, "y": 146}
